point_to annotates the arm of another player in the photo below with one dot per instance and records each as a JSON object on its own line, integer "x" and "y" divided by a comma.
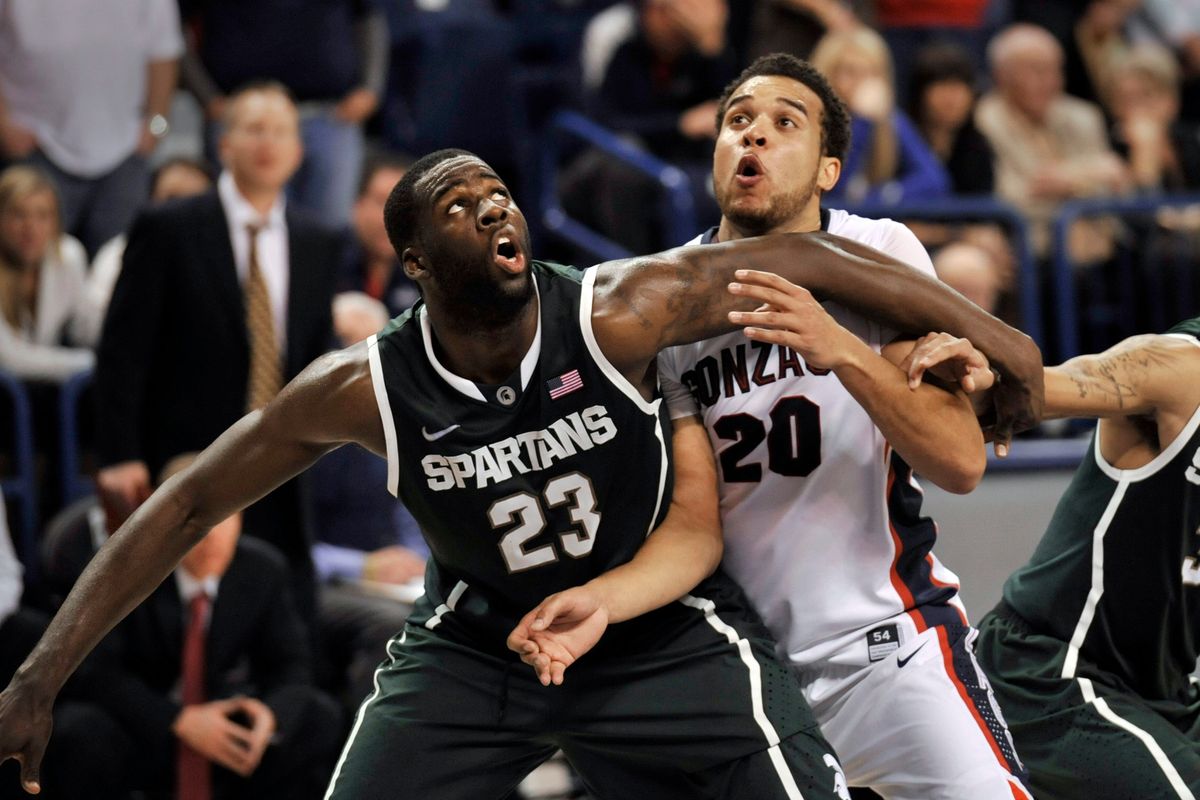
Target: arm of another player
{"x": 679, "y": 296}
{"x": 933, "y": 429}
{"x": 1149, "y": 374}
{"x": 329, "y": 403}
{"x": 681, "y": 552}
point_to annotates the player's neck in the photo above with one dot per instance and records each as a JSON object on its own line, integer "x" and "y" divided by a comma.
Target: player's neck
{"x": 804, "y": 222}
{"x": 484, "y": 353}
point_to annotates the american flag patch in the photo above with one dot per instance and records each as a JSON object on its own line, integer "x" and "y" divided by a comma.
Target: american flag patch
{"x": 564, "y": 384}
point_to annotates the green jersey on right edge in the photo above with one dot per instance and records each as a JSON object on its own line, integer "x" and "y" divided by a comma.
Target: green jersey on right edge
{"x": 1117, "y": 574}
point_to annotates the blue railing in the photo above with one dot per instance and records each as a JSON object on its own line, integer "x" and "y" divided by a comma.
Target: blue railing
{"x": 74, "y": 483}
{"x": 1065, "y": 270}
{"x": 21, "y": 486}
{"x": 677, "y": 213}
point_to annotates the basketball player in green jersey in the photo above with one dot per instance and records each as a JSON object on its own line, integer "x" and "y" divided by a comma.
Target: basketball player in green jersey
{"x": 516, "y": 407}
{"x": 1092, "y": 648}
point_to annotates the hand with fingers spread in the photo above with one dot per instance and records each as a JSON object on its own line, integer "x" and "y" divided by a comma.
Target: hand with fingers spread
{"x": 208, "y": 729}
{"x": 25, "y": 725}
{"x": 951, "y": 359}
{"x": 789, "y": 315}
{"x": 559, "y": 631}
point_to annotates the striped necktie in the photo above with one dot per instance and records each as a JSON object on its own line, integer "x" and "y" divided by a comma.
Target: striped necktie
{"x": 266, "y": 371}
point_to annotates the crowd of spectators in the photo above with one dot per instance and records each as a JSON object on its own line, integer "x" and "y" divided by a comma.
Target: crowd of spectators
{"x": 195, "y": 285}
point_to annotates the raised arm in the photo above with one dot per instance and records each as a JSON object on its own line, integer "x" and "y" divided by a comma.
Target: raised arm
{"x": 331, "y": 402}
{"x": 645, "y": 304}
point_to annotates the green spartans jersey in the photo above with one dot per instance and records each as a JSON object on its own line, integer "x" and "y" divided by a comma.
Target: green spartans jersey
{"x": 1117, "y": 575}
{"x": 526, "y": 488}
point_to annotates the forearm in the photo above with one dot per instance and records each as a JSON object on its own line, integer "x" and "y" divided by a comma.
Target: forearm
{"x": 371, "y": 34}
{"x": 933, "y": 430}
{"x": 129, "y": 566}
{"x": 196, "y": 79}
{"x": 669, "y": 565}
{"x": 685, "y": 548}
{"x": 882, "y": 288}
{"x": 857, "y": 276}
{"x": 39, "y": 362}
{"x": 161, "y": 79}
{"x": 257, "y": 454}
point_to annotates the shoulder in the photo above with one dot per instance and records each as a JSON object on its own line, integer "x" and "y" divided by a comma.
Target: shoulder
{"x": 990, "y": 112}
{"x": 181, "y": 214}
{"x": 892, "y": 237}
{"x": 1076, "y": 112}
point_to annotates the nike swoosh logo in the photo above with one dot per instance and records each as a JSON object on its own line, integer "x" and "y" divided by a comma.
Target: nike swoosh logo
{"x": 900, "y": 662}
{"x": 433, "y": 437}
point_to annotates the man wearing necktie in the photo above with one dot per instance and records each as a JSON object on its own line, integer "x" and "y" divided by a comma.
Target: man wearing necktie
{"x": 222, "y": 298}
{"x": 205, "y": 689}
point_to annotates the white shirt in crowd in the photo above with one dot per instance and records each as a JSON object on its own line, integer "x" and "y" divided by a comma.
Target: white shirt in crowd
{"x": 11, "y": 585}
{"x": 32, "y": 351}
{"x": 74, "y": 73}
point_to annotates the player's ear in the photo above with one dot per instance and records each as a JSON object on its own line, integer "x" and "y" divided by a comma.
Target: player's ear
{"x": 414, "y": 263}
{"x": 828, "y": 173}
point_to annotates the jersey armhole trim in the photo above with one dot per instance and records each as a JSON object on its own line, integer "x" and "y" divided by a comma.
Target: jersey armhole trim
{"x": 1187, "y": 337}
{"x": 385, "y": 415}
{"x": 614, "y": 376}
{"x": 1155, "y": 464}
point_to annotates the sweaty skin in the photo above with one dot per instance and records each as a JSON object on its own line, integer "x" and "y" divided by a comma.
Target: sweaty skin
{"x": 641, "y": 305}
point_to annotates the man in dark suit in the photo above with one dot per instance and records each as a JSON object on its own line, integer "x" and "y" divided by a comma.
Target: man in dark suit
{"x": 206, "y": 688}
{"x": 222, "y": 298}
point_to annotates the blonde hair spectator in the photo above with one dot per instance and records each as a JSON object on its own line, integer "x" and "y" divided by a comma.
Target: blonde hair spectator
{"x": 41, "y": 280}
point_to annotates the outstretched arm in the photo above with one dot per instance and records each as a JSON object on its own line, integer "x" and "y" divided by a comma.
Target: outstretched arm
{"x": 679, "y": 296}
{"x": 1138, "y": 376}
{"x": 331, "y": 402}
{"x": 680, "y": 553}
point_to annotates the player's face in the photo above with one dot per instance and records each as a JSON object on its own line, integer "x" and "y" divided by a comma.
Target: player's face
{"x": 475, "y": 240}
{"x": 767, "y": 165}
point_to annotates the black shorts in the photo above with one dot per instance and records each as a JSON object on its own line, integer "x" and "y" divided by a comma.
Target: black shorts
{"x": 707, "y": 711}
{"x": 1086, "y": 737}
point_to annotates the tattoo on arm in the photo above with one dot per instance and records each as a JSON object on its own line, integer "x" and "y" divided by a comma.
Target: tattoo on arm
{"x": 1118, "y": 376}
{"x": 681, "y": 295}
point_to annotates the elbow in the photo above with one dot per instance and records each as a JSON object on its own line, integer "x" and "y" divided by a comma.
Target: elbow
{"x": 963, "y": 474}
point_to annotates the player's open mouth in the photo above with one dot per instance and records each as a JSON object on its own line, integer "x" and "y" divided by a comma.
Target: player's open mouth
{"x": 749, "y": 171}
{"x": 508, "y": 256}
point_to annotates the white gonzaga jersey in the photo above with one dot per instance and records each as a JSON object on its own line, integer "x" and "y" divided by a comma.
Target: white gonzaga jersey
{"x": 822, "y": 520}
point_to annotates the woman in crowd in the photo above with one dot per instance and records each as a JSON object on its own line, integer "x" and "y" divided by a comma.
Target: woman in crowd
{"x": 942, "y": 103}
{"x": 888, "y": 160}
{"x": 42, "y": 274}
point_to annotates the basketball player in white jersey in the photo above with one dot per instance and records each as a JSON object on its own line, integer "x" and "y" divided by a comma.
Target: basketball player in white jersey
{"x": 817, "y": 450}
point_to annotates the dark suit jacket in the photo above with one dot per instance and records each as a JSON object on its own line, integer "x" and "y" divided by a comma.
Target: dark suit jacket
{"x": 255, "y": 647}
{"x": 174, "y": 357}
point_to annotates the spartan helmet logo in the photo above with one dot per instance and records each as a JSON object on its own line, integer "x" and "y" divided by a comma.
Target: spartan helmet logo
{"x": 506, "y": 396}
